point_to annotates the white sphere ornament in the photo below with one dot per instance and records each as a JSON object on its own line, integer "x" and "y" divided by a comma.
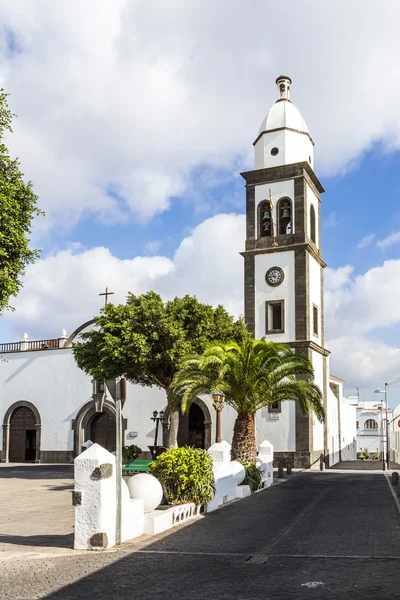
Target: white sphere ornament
{"x": 146, "y": 487}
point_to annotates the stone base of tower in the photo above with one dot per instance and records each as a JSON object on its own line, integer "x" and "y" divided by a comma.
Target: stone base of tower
{"x": 299, "y": 459}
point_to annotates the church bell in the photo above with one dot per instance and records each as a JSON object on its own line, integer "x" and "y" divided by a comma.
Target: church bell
{"x": 285, "y": 213}
{"x": 266, "y": 215}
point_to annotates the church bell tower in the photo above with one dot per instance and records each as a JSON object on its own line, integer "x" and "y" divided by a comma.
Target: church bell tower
{"x": 283, "y": 267}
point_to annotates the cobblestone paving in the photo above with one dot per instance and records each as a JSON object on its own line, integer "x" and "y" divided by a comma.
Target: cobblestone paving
{"x": 324, "y": 536}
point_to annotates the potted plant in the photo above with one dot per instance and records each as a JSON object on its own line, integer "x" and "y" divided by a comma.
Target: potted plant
{"x": 130, "y": 453}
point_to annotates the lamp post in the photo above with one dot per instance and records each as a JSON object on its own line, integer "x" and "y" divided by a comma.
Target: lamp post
{"x": 386, "y": 448}
{"x": 218, "y": 400}
{"x": 157, "y": 417}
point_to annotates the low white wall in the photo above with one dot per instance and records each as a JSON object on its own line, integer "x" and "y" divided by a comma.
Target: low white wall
{"x": 94, "y": 496}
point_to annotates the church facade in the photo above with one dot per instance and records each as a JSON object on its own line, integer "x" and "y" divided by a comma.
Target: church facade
{"x": 49, "y": 408}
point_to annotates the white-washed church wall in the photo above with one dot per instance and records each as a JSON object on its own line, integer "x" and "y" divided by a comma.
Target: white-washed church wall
{"x": 51, "y": 381}
{"x": 265, "y": 293}
{"x": 318, "y": 428}
{"x": 278, "y": 428}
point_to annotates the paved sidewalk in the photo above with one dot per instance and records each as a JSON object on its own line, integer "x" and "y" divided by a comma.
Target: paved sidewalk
{"x": 36, "y": 515}
{"x": 328, "y": 536}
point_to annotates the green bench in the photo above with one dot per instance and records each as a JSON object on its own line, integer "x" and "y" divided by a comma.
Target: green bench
{"x": 137, "y": 466}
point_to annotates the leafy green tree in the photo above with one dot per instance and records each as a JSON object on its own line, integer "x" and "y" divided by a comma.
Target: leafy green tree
{"x": 252, "y": 374}
{"x": 18, "y": 207}
{"x": 146, "y": 339}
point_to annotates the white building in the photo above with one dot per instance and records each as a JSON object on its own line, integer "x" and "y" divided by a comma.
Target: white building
{"x": 371, "y": 428}
{"x": 49, "y": 407}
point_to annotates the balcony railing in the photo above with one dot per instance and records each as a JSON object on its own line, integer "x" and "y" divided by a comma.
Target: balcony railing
{"x": 369, "y": 432}
{"x": 30, "y": 345}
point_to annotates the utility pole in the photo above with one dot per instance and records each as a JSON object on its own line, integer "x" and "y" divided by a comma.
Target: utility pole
{"x": 119, "y": 397}
{"x": 387, "y": 426}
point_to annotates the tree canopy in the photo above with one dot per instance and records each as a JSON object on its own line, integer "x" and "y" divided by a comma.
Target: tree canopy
{"x": 18, "y": 207}
{"x": 146, "y": 340}
{"x": 252, "y": 374}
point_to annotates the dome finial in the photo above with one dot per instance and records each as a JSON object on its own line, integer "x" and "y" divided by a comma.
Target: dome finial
{"x": 283, "y": 83}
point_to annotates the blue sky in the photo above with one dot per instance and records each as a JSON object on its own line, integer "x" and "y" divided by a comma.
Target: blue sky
{"x": 135, "y": 121}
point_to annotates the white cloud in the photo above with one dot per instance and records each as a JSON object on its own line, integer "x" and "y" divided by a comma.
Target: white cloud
{"x": 393, "y": 238}
{"x": 363, "y": 361}
{"x": 62, "y": 290}
{"x": 358, "y": 310}
{"x": 152, "y": 246}
{"x": 120, "y": 101}
{"x": 366, "y": 241}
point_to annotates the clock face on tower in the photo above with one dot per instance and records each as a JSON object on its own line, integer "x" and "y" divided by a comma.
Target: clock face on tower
{"x": 274, "y": 276}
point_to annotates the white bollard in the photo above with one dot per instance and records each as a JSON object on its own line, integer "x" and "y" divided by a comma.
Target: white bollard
{"x": 95, "y": 501}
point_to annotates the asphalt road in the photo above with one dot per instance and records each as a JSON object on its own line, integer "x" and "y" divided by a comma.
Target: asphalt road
{"x": 318, "y": 535}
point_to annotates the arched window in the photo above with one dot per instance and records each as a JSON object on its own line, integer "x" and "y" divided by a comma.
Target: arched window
{"x": 264, "y": 219}
{"x": 312, "y": 224}
{"x": 370, "y": 424}
{"x": 284, "y": 213}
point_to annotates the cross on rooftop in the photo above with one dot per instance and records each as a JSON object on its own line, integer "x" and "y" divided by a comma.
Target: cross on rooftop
{"x": 106, "y": 294}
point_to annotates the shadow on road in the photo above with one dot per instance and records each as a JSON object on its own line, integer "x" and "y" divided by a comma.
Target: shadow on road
{"x": 362, "y": 465}
{"x": 45, "y": 541}
{"x": 30, "y": 471}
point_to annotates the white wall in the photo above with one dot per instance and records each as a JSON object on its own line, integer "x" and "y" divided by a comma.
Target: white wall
{"x": 51, "y": 381}
{"x": 285, "y": 291}
{"x": 318, "y": 428}
{"x": 293, "y": 147}
{"x": 348, "y": 419}
{"x": 278, "y": 428}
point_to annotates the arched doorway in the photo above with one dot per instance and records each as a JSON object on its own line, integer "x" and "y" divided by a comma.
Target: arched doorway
{"x": 102, "y": 431}
{"x": 86, "y": 417}
{"x": 195, "y": 427}
{"x": 21, "y": 433}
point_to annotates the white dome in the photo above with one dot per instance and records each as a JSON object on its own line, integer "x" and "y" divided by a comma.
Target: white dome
{"x": 284, "y": 114}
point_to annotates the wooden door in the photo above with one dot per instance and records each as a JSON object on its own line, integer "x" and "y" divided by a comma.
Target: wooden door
{"x": 102, "y": 431}
{"x": 22, "y": 443}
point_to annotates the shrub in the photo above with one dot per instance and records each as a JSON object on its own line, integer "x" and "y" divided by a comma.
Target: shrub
{"x": 185, "y": 474}
{"x": 376, "y": 456}
{"x": 361, "y": 457}
{"x": 253, "y": 476}
{"x": 131, "y": 452}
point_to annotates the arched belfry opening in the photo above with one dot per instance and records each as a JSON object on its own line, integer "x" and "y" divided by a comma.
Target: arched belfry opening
{"x": 21, "y": 433}
{"x": 284, "y": 211}
{"x": 312, "y": 224}
{"x": 264, "y": 219}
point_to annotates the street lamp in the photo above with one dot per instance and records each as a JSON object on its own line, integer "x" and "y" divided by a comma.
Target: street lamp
{"x": 157, "y": 417}
{"x": 387, "y": 453}
{"x": 218, "y": 400}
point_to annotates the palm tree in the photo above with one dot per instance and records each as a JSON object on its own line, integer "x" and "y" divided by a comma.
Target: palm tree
{"x": 252, "y": 375}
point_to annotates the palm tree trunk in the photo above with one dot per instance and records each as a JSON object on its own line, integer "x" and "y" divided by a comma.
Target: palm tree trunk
{"x": 244, "y": 439}
{"x": 173, "y": 420}
{"x": 173, "y": 429}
